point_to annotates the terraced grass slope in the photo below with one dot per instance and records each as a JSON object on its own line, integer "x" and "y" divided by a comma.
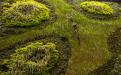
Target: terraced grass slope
{"x": 87, "y": 36}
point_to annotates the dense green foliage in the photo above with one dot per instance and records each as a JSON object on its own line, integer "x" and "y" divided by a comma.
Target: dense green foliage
{"x": 27, "y": 13}
{"x": 35, "y": 59}
{"x": 96, "y": 7}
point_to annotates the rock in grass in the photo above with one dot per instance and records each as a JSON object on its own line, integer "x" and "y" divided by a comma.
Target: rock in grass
{"x": 25, "y": 13}
{"x": 96, "y": 7}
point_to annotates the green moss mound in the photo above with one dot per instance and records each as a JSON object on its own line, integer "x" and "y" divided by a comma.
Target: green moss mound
{"x": 34, "y": 59}
{"x": 96, "y": 7}
{"x": 25, "y": 13}
{"x": 23, "y": 0}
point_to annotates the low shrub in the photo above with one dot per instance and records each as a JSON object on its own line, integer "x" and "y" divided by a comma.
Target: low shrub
{"x": 34, "y": 59}
{"x": 96, "y": 7}
{"x": 25, "y": 13}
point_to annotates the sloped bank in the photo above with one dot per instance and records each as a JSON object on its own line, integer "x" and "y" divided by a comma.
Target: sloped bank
{"x": 112, "y": 67}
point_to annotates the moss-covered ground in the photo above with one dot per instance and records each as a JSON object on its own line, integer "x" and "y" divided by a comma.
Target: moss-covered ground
{"x": 87, "y": 37}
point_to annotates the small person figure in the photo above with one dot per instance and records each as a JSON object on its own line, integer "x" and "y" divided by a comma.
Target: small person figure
{"x": 75, "y": 30}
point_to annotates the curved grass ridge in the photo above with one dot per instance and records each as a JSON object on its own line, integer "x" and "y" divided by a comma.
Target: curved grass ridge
{"x": 26, "y": 13}
{"x": 96, "y": 7}
{"x": 36, "y": 58}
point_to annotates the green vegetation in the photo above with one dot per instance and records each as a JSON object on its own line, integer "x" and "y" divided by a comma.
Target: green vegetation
{"x": 36, "y": 59}
{"x": 18, "y": 0}
{"x": 28, "y": 13}
{"x": 90, "y": 52}
{"x": 22, "y": 0}
{"x": 96, "y": 7}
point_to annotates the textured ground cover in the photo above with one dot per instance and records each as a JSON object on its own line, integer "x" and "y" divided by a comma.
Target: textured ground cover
{"x": 87, "y": 36}
{"x": 58, "y": 66}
